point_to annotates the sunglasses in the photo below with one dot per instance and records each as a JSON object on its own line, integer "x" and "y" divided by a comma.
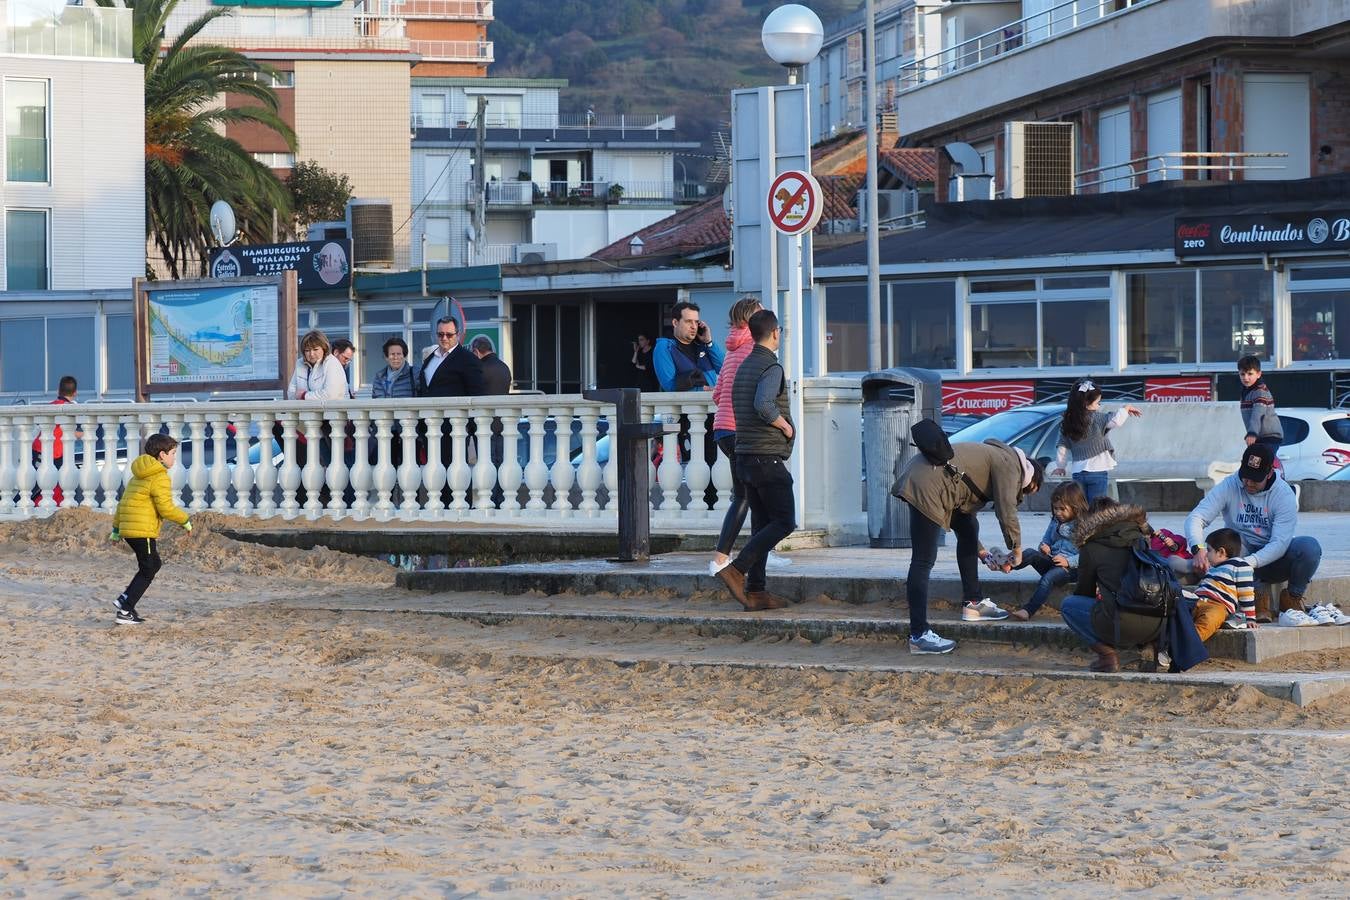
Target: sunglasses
{"x": 447, "y": 334}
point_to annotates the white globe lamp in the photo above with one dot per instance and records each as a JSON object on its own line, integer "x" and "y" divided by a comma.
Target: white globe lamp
{"x": 792, "y": 36}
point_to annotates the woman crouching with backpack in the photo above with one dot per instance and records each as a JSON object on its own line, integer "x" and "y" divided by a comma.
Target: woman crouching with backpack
{"x": 947, "y": 498}
{"x": 1106, "y": 537}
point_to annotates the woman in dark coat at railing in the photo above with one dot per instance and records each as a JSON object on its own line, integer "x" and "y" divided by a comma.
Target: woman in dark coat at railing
{"x": 397, "y": 379}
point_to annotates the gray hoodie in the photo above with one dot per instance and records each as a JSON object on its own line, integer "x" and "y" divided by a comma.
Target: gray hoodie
{"x": 1266, "y": 520}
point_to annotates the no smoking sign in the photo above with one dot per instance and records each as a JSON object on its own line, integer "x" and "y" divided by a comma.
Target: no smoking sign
{"x": 795, "y": 202}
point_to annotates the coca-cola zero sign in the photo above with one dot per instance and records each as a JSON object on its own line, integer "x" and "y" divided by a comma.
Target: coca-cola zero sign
{"x": 1223, "y": 235}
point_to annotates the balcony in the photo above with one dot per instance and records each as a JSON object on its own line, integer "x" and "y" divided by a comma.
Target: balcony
{"x": 453, "y": 51}
{"x": 438, "y": 10}
{"x": 51, "y": 28}
{"x": 556, "y": 126}
{"x": 576, "y": 193}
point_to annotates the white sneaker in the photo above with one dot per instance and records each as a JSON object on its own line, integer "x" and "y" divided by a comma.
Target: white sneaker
{"x": 1235, "y": 623}
{"x": 1337, "y": 617}
{"x": 929, "y": 642}
{"x": 984, "y": 611}
{"x": 1295, "y": 618}
{"x": 1321, "y": 615}
{"x": 774, "y": 561}
{"x": 714, "y": 566}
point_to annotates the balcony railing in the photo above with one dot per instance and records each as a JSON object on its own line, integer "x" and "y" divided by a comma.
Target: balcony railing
{"x": 446, "y": 10}
{"x": 1173, "y": 165}
{"x": 1062, "y": 18}
{"x": 551, "y": 465}
{"x": 575, "y": 126}
{"x": 574, "y": 193}
{"x": 453, "y": 51}
{"x": 54, "y": 29}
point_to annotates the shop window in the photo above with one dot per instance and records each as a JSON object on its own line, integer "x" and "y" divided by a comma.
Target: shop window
{"x": 1160, "y": 318}
{"x": 846, "y": 328}
{"x": 1315, "y": 318}
{"x": 121, "y": 355}
{"x": 923, "y": 324}
{"x": 1003, "y": 335}
{"x": 71, "y": 350}
{"x": 1077, "y": 333}
{"x": 1235, "y": 314}
{"x": 22, "y": 367}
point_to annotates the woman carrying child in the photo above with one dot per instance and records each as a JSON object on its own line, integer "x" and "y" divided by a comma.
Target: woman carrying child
{"x": 1056, "y": 559}
{"x": 1083, "y": 434}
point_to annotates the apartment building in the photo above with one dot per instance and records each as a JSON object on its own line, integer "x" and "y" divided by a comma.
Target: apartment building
{"x": 555, "y": 186}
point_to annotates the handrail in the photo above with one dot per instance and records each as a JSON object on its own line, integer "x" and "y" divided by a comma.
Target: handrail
{"x": 1163, "y": 167}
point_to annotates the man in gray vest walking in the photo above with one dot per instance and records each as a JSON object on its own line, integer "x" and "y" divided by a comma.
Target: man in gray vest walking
{"x": 764, "y": 438}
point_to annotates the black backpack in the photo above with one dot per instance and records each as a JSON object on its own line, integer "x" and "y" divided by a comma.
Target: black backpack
{"x": 1147, "y": 586}
{"x": 930, "y": 440}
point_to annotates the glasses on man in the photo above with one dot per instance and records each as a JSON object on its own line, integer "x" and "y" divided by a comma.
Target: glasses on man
{"x": 447, "y": 334}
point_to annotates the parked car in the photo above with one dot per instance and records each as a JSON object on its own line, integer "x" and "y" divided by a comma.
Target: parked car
{"x": 1032, "y": 429}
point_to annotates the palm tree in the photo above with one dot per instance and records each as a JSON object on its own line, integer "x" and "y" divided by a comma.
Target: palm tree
{"x": 189, "y": 162}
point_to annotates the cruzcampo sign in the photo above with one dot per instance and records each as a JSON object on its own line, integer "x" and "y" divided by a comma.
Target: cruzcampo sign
{"x": 1225, "y": 235}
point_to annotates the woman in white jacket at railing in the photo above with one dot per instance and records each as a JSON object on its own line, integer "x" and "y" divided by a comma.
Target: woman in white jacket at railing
{"x": 318, "y": 374}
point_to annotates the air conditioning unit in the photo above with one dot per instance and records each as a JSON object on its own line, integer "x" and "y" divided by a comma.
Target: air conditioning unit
{"x": 371, "y": 225}
{"x": 326, "y": 231}
{"x": 534, "y": 253}
{"x": 1040, "y": 159}
{"x": 890, "y": 205}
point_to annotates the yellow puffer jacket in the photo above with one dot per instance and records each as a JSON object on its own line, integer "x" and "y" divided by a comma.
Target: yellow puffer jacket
{"x": 147, "y": 501}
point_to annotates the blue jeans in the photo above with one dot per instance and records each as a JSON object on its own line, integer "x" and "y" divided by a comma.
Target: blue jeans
{"x": 1297, "y": 566}
{"x": 1077, "y": 612}
{"x": 1052, "y": 576}
{"x": 923, "y": 536}
{"x": 1092, "y": 483}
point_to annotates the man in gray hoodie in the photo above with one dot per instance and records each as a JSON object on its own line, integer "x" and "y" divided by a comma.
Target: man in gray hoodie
{"x": 1259, "y": 505}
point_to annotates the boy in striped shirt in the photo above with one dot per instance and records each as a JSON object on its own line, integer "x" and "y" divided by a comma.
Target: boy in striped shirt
{"x": 1228, "y": 588}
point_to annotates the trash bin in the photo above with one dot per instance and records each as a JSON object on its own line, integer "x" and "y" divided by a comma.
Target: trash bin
{"x": 893, "y": 400}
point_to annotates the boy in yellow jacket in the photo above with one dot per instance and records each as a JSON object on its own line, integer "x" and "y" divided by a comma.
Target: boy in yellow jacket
{"x": 145, "y": 504}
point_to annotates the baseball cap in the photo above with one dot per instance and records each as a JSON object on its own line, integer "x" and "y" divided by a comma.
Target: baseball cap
{"x": 1256, "y": 462}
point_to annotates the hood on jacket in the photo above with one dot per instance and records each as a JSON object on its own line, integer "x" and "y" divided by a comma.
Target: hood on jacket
{"x": 1116, "y": 526}
{"x": 145, "y": 465}
{"x": 738, "y": 337}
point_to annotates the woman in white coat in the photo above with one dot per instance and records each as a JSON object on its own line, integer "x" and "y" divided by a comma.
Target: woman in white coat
{"x": 318, "y": 374}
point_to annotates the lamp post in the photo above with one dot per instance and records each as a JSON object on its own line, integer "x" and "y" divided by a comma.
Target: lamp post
{"x": 792, "y": 36}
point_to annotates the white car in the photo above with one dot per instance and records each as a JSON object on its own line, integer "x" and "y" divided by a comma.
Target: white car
{"x": 1316, "y": 442}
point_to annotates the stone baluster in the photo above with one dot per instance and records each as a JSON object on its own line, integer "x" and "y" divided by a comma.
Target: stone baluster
{"x": 312, "y": 474}
{"x": 562, "y": 474}
{"x": 178, "y": 473}
{"x": 721, "y": 479}
{"x": 336, "y": 475}
{"x": 509, "y": 475}
{"x": 290, "y": 472}
{"x": 433, "y": 472}
{"x": 588, "y": 473}
{"x": 409, "y": 472}
{"x": 135, "y": 429}
{"x": 265, "y": 479}
{"x": 384, "y": 476}
{"x": 668, "y": 474}
{"x": 46, "y": 470}
{"x": 68, "y": 475}
{"x": 88, "y": 425}
{"x": 219, "y": 476}
{"x": 697, "y": 474}
{"x": 611, "y": 470}
{"x": 8, "y": 474}
{"x": 110, "y": 472}
{"x": 196, "y": 476}
{"x": 25, "y": 476}
{"x": 243, "y": 478}
{"x": 536, "y": 472}
{"x": 484, "y": 470}
{"x": 360, "y": 473}
{"x": 458, "y": 473}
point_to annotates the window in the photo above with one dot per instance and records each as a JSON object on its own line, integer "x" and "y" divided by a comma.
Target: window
{"x": 276, "y": 160}
{"x": 923, "y": 324}
{"x": 1052, "y": 320}
{"x": 1160, "y": 318}
{"x": 121, "y": 355}
{"x": 26, "y": 130}
{"x": 1113, "y": 150}
{"x": 71, "y": 350}
{"x": 1315, "y": 317}
{"x": 1164, "y": 135}
{"x": 1235, "y": 314}
{"x": 21, "y": 363}
{"x": 846, "y": 327}
{"x": 26, "y": 250}
{"x": 1077, "y": 333}
{"x": 1002, "y": 335}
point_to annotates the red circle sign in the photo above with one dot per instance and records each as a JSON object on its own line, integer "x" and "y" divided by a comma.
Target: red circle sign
{"x": 795, "y": 202}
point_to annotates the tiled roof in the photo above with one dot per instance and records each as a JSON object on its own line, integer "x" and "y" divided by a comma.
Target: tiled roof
{"x": 841, "y": 192}
{"x": 687, "y": 231}
{"x": 917, "y": 165}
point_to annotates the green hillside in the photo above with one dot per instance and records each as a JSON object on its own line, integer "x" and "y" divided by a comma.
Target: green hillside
{"x": 644, "y": 56}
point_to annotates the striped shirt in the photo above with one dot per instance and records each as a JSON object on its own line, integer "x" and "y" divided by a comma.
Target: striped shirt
{"x": 1231, "y": 583}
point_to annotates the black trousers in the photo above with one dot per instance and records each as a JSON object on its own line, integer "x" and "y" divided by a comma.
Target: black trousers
{"x": 768, "y": 489}
{"x": 923, "y": 536}
{"x": 147, "y": 564}
{"x": 739, "y": 507}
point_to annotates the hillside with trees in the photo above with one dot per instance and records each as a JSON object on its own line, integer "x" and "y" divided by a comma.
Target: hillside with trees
{"x": 644, "y": 56}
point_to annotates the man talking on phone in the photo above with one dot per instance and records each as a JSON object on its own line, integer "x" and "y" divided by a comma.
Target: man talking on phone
{"x": 690, "y": 361}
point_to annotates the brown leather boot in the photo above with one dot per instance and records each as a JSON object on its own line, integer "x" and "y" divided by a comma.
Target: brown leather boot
{"x": 767, "y": 600}
{"x": 1107, "y": 659}
{"x": 734, "y": 579}
{"x": 1263, "y": 615}
{"x": 1290, "y": 601}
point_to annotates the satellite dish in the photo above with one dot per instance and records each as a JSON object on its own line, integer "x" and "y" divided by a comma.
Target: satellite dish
{"x": 222, "y": 223}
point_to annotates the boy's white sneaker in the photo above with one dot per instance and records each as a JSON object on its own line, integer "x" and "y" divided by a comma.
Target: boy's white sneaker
{"x": 984, "y": 611}
{"x": 1337, "y": 617}
{"x": 1296, "y": 618}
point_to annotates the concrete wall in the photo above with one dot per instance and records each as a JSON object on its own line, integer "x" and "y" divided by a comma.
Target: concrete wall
{"x": 581, "y": 232}
{"x": 96, "y": 195}
{"x": 333, "y": 94}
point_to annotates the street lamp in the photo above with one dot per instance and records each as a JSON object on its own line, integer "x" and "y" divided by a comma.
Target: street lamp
{"x": 792, "y": 36}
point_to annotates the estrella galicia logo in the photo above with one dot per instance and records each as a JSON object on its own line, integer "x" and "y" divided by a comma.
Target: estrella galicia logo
{"x": 225, "y": 266}
{"x": 1318, "y": 230}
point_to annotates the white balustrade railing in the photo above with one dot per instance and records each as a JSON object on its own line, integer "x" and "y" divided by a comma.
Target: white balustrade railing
{"x": 531, "y": 459}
